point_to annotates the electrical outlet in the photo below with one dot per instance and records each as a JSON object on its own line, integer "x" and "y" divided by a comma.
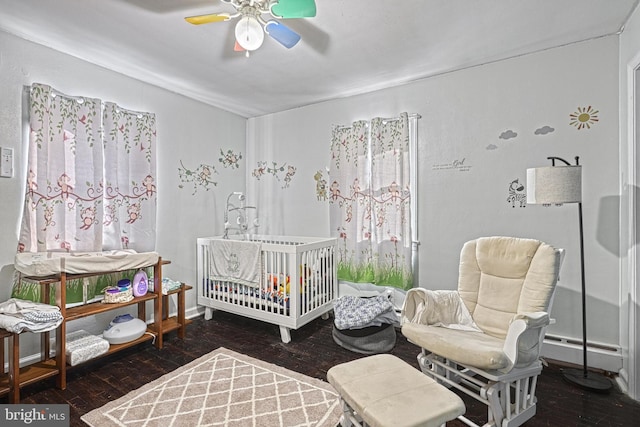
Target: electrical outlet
{"x": 6, "y": 162}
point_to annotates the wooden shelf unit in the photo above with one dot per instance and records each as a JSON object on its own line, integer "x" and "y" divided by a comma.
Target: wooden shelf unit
{"x": 178, "y": 322}
{"x": 6, "y": 379}
{"x": 15, "y": 378}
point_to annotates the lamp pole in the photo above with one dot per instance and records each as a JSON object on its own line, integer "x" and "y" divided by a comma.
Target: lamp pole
{"x": 583, "y": 378}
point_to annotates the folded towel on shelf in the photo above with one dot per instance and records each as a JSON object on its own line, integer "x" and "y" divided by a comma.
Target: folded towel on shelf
{"x": 20, "y": 306}
{"x": 235, "y": 261}
{"x": 169, "y": 285}
{"x": 42, "y": 316}
{"x": 82, "y": 346}
{"x": 18, "y": 315}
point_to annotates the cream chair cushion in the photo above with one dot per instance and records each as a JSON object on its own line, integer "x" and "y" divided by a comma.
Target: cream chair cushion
{"x": 468, "y": 348}
{"x": 502, "y": 280}
{"x": 500, "y": 277}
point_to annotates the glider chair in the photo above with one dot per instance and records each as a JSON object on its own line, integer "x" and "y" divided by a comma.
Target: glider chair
{"x": 484, "y": 338}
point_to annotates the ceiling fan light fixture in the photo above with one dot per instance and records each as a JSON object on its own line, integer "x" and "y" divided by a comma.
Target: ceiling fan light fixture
{"x": 251, "y": 27}
{"x": 249, "y": 33}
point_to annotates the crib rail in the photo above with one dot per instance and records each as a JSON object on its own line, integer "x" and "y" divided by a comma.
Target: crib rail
{"x": 298, "y": 281}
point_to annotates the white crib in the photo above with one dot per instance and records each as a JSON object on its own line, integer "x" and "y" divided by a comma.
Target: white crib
{"x": 307, "y": 262}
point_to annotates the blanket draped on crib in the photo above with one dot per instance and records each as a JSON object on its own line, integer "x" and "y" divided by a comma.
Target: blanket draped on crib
{"x": 235, "y": 261}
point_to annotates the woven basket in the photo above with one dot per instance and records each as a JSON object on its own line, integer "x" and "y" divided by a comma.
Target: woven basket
{"x": 111, "y": 297}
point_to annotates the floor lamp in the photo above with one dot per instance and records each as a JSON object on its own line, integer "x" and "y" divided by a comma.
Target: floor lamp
{"x": 555, "y": 185}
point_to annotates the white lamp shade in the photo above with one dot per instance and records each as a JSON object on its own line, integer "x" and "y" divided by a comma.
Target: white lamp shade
{"x": 249, "y": 33}
{"x": 554, "y": 185}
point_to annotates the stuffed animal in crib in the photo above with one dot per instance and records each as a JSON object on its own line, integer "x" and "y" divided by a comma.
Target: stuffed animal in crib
{"x": 282, "y": 284}
{"x": 305, "y": 275}
{"x": 279, "y": 283}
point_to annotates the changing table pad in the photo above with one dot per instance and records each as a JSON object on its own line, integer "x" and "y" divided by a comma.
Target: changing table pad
{"x": 52, "y": 263}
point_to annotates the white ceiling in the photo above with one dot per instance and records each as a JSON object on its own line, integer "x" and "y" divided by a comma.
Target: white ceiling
{"x": 350, "y": 47}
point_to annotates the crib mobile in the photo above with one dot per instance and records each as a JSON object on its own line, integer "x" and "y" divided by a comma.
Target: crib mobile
{"x": 240, "y": 211}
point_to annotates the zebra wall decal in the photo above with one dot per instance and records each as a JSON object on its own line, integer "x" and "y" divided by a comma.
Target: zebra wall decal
{"x": 517, "y": 194}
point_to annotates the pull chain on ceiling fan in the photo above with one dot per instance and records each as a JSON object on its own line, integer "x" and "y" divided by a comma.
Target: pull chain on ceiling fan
{"x": 251, "y": 26}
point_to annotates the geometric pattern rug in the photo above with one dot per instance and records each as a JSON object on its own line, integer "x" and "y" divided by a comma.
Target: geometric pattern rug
{"x": 224, "y": 388}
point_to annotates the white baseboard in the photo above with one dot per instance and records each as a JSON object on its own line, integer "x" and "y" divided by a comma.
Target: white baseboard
{"x": 599, "y": 356}
{"x": 193, "y": 312}
{"x": 622, "y": 379}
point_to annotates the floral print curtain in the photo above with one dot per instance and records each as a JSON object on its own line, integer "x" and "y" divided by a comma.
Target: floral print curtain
{"x": 130, "y": 184}
{"x": 91, "y": 176}
{"x": 370, "y": 200}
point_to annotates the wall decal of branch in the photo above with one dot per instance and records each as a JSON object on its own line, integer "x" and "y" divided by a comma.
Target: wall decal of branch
{"x": 200, "y": 177}
{"x": 275, "y": 171}
{"x": 230, "y": 159}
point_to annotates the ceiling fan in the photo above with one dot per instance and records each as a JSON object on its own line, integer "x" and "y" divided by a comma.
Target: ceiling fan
{"x": 251, "y": 26}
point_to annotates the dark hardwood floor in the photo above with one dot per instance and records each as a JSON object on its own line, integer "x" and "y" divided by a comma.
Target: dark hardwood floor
{"x": 312, "y": 351}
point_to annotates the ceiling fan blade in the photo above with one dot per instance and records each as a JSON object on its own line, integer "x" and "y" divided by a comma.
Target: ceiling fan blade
{"x": 282, "y": 34}
{"x": 205, "y": 19}
{"x": 294, "y": 9}
{"x": 238, "y": 48}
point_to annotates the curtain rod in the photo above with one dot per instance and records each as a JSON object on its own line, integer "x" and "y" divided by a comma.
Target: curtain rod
{"x": 386, "y": 119}
{"x": 411, "y": 116}
{"x": 80, "y": 100}
{"x": 139, "y": 114}
{"x": 56, "y": 92}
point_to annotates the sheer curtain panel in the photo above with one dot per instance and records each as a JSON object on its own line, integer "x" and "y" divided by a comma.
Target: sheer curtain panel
{"x": 370, "y": 201}
{"x": 90, "y": 176}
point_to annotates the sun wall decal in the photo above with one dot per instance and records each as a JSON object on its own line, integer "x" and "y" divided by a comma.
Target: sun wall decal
{"x": 585, "y": 117}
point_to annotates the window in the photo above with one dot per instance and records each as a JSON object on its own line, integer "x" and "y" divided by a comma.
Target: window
{"x": 371, "y": 200}
{"x": 90, "y": 177}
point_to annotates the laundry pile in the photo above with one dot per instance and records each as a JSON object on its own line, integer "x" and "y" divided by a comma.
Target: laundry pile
{"x": 365, "y": 325}
{"x": 18, "y": 315}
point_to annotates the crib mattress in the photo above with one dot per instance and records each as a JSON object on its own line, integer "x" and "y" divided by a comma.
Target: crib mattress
{"x": 51, "y": 263}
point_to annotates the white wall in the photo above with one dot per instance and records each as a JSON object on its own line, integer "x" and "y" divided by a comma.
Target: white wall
{"x": 187, "y": 131}
{"x": 463, "y": 113}
{"x": 629, "y": 179}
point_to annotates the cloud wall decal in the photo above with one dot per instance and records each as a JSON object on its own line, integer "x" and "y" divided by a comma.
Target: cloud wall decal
{"x": 508, "y": 134}
{"x": 544, "y": 130}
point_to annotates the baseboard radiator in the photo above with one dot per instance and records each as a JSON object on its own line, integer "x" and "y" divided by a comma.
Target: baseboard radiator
{"x": 599, "y": 356}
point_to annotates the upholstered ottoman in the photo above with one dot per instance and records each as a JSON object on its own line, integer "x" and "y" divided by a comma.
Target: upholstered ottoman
{"x": 384, "y": 391}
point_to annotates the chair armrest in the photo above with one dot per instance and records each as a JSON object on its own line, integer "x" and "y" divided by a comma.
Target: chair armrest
{"x": 522, "y": 343}
{"x": 533, "y": 320}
